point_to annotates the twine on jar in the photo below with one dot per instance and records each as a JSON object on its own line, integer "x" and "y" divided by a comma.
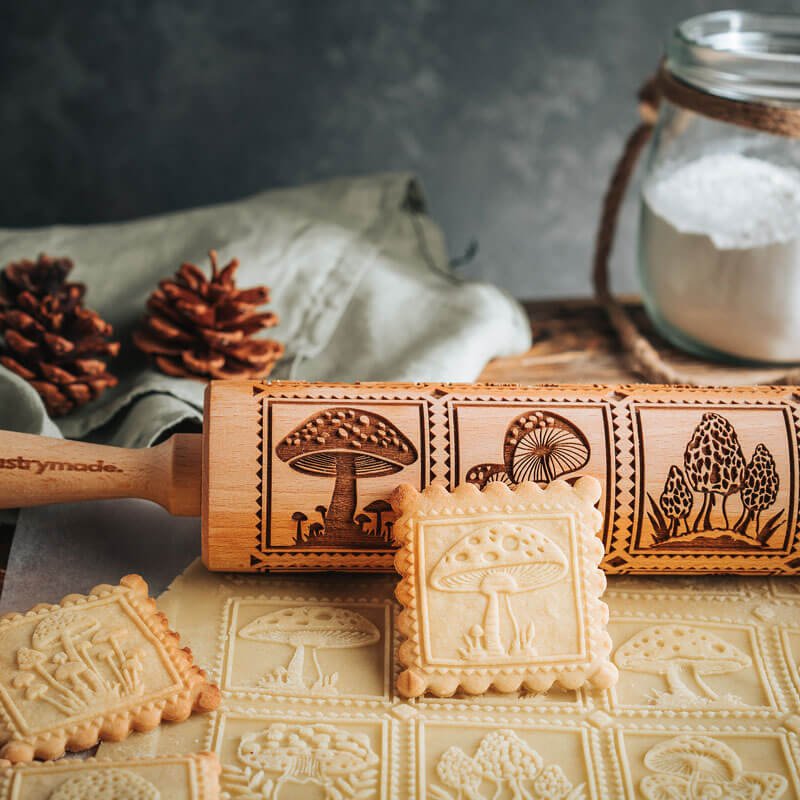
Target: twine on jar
{"x": 780, "y": 120}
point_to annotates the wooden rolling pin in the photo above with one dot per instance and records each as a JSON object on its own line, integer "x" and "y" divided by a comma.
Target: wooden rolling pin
{"x": 296, "y": 476}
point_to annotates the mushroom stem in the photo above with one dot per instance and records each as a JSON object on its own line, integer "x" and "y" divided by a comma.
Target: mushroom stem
{"x": 491, "y": 625}
{"x": 702, "y": 513}
{"x": 316, "y": 663}
{"x": 706, "y": 689}
{"x": 295, "y": 668}
{"x": 712, "y": 499}
{"x": 516, "y": 640}
{"x": 675, "y": 680}
{"x": 342, "y": 508}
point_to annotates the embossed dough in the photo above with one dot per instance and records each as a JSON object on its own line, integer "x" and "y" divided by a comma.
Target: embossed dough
{"x": 186, "y": 777}
{"x": 501, "y": 588}
{"x": 93, "y": 667}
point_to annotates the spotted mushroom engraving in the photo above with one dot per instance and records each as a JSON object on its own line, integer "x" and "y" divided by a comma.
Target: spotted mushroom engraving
{"x": 684, "y": 655}
{"x": 499, "y": 561}
{"x": 315, "y": 628}
{"x": 348, "y": 445}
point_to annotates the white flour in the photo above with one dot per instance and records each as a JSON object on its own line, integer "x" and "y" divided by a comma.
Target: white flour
{"x": 720, "y": 247}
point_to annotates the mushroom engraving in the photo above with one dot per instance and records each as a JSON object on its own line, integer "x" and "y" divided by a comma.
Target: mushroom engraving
{"x": 541, "y": 446}
{"x": 299, "y": 517}
{"x": 694, "y": 767}
{"x": 484, "y": 474}
{"x": 378, "y": 507}
{"x": 499, "y": 560}
{"x": 106, "y": 784}
{"x": 714, "y": 466}
{"x": 507, "y": 763}
{"x": 315, "y": 627}
{"x": 74, "y": 662}
{"x": 342, "y": 763}
{"x": 345, "y": 444}
{"x": 677, "y": 652}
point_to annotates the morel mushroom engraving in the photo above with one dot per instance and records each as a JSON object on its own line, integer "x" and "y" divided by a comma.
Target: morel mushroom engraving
{"x": 342, "y": 763}
{"x": 345, "y": 444}
{"x": 506, "y": 763}
{"x": 759, "y": 492}
{"x": 106, "y": 784}
{"x": 315, "y": 627}
{"x": 499, "y": 560}
{"x": 541, "y": 446}
{"x": 694, "y": 767}
{"x": 680, "y": 651}
{"x": 676, "y": 500}
{"x": 714, "y": 464}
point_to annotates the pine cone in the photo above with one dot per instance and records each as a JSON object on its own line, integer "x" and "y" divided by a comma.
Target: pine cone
{"x": 201, "y": 328}
{"x": 49, "y": 338}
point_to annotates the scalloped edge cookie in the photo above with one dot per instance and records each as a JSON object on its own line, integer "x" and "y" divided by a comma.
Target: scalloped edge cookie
{"x": 498, "y": 504}
{"x": 22, "y": 741}
{"x": 201, "y": 774}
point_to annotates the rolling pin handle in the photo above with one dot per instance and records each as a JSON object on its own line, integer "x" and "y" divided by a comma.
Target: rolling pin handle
{"x": 38, "y": 470}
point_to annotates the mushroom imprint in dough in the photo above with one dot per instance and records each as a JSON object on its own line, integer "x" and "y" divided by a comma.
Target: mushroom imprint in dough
{"x": 497, "y": 561}
{"x": 341, "y": 762}
{"x": 316, "y": 627}
{"x": 106, "y": 784}
{"x": 698, "y": 767}
{"x": 679, "y": 652}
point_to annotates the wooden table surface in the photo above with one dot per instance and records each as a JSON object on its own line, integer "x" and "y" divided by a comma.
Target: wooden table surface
{"x": 573, "y": 343}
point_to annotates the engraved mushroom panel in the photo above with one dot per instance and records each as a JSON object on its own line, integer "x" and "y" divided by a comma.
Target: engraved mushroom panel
{"x": 698, "y": 766}
{"x": 332, "y": 468}
{"x": 691, "y": 666}
{"x": 68, "y": 663}
{"x": 308, "y": 649}
{"x": 511, "y": 582}
{"x": 283, "y": 758}
{"x": 475, "y": 761}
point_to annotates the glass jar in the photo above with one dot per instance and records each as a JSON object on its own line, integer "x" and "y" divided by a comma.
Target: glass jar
{"x": 719, "y": 231}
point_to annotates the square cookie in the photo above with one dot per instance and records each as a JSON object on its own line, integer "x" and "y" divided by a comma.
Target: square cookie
{"x": 501, "y": 588}
{"x": 187, "y": 777}
{"x": 93, "y": 667}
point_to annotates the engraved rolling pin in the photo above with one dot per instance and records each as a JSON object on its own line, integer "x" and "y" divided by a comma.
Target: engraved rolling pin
{"x": 296, "y": 476}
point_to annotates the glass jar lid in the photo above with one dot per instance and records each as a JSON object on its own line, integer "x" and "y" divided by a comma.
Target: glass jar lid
{"x": 739, "y": 55}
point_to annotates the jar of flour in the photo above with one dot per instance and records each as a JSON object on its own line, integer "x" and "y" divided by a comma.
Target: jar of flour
{"x": 719, "y": 236}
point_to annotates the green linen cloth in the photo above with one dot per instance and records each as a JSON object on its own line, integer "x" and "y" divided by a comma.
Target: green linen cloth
{"x": 359, "y": 276}
{"x": 361, "y": 280}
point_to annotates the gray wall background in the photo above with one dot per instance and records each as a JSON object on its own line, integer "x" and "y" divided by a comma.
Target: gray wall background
{"x": 511, "y": 111}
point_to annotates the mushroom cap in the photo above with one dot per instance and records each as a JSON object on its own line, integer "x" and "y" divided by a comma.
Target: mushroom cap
{"x": 316, "y": 445}
{"x": 481, "y": 474}
{"x": 281, "y": 746}
{"x": 540, "y": 446}
{"x": 691, "y": 754}
{"x": 361, "y": 518}
{"x": 299, "y": 516}
{"x": 655, "y": 648}
{"x": 315, "y": 626}
{"x": 528, "y": 558}
{"x": 106, "y": 784}
{"x": 376, "y": 506}
{"x": 76, "y": 624}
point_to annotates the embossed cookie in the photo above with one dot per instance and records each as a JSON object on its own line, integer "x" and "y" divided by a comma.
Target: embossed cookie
{"x": 93, "y": 667}
{"x": 187, "y": 777}
{"x": 501, "y": 588}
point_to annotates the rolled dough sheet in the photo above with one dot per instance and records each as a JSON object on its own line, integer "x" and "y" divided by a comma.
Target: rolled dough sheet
{"x": 708, "y": 667}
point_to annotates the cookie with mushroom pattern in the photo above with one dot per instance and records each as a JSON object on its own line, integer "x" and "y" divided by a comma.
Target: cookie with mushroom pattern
{"x": 501, "y": 588}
